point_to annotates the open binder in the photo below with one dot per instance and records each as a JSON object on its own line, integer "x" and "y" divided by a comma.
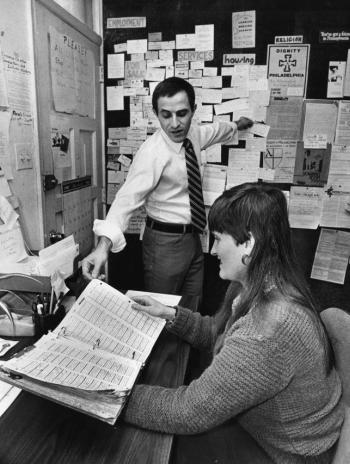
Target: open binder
{"x": 92, "y": 359}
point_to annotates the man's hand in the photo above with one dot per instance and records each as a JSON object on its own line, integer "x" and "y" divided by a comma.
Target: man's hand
{"x": 94, "y": 262}
{"x": 244, "y": 123}
{"x": 152, "y": 307}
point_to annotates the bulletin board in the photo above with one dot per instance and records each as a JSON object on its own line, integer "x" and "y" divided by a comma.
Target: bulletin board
{"x": 322, "y": 26}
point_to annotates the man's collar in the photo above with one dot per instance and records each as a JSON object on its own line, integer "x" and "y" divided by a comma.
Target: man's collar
{"x": 176, "y": 146}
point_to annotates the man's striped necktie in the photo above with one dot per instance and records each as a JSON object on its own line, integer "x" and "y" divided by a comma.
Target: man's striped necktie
{"x": 198, "y": 216}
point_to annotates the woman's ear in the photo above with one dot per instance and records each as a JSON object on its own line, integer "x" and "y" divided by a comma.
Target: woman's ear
{"x": 249, "y": 244}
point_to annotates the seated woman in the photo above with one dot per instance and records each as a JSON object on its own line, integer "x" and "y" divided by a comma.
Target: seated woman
{"x": 272, "y": 363}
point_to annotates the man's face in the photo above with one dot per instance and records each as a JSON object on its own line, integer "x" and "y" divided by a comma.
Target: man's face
{"x": 175, "y": 116}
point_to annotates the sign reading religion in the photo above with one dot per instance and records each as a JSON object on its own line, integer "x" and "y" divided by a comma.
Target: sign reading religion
{"x": 287, "y": 69}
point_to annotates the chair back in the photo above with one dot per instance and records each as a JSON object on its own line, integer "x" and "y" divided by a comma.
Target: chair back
{"x": 337, "y": 323}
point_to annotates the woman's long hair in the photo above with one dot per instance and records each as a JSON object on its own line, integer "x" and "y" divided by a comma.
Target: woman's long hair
{"x": 261, "y": 210}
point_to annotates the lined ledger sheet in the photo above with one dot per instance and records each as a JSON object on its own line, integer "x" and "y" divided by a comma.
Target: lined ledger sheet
{"x": 99, "y": 346}
{"x": 104, "y": 317}
{"x": 63, "y": 362}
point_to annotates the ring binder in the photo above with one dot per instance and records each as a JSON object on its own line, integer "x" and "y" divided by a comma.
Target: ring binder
{"x": 62, "y": 332}
{"x": 62, "y": 364}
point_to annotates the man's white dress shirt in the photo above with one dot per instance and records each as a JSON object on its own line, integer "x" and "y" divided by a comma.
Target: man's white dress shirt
{"x": 158, "y": 180}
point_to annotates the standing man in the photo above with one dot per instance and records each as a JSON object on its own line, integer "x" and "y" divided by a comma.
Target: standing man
{"x": 164, "y": 177}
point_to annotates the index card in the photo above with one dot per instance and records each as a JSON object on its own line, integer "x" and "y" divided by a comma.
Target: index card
{"x": 136, "y": 46}
{"x": 155, "y": 74}
{"x": 185, "y": 41}
{"x": 214, "y": 181}
{"x": 115, "y": 98}
{"x": 260, "y": 129}
{"x": 118, "y": 48}
{"x": 332, "y": 256}
{"x": 214, "y": 82}
{"x": 213, "y": 154}
{"x": 210, "y": 95}
{"x": 232, "y": 105}
{"x": 305, "y": 206}
{"x": 204, "y": 37}
{"x": 243, "y": 166}
{"x": 210, "y": 71}
{"x": 115, "y": 66}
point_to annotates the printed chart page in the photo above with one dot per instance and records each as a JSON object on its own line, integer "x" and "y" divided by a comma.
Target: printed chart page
{"x": 102, "y": 316}
{"x": 99, "y": 346}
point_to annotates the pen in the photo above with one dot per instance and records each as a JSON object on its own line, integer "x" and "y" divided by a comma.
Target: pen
{"x": 58, "y": 302}
{"x": 45, "y": 304}
{"x": 40, "y": 308}
{"x": 34, "y": 308}
{"x": 51, "y": 301}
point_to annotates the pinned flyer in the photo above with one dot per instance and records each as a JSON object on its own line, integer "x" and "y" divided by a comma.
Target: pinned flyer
{"x": 59, "y": 256}
{"x": 336, "y": 76}
{"x": 11, "y": 241}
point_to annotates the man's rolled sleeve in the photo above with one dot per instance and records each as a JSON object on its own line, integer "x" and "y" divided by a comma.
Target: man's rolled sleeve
{"x": 219, "y": 132}
{"x": 111, "y": 231}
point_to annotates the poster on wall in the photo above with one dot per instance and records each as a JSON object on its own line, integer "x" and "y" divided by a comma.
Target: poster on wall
{"x": 311, "y": 165}
{"x": 287, "y": 69}
{"x": 243, "y": 29}
{"x": 4, "y": 103}
{"x": 336, "y": 76}
{"x": 60, "y": 147}
{"x": 72, "y": 75}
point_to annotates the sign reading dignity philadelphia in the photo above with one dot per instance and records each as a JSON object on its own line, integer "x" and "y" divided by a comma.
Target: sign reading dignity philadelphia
{"x": 287, "y": 69}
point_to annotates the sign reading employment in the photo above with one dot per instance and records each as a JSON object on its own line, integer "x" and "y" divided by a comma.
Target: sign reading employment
{"x": 126, "y": 23}
{"x": 287, "y": 69}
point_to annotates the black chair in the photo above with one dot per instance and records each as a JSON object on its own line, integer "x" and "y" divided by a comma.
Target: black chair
{"x": 337, "y": 323}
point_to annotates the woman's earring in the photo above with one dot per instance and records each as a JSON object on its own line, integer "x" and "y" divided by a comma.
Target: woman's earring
{"x": 245, "y": 259}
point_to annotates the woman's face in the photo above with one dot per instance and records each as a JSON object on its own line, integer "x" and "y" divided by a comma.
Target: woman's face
{"x": 230, "y": 256}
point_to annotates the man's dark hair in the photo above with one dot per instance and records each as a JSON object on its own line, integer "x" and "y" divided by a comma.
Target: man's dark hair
{"x": 171, "y": 86}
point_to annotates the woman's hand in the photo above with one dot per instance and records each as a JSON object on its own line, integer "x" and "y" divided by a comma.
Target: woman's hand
{"x": 152, "y": 307}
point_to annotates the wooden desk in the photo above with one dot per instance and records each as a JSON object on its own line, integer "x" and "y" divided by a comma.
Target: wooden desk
{"x": 34, "y": 430}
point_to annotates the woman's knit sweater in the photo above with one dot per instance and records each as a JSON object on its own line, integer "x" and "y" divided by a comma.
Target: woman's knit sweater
{"x": 270, "y": 372}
